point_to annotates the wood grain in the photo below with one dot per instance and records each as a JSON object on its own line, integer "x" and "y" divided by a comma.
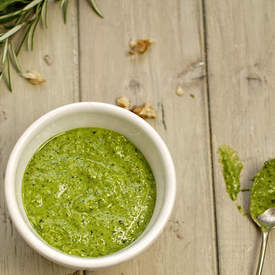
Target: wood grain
{"x": 241, "y": 54}
{"x": 187, "y": 246}
{"x": 19, "y": 109}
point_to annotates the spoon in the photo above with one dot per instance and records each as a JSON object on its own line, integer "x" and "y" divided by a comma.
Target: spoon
{"x": 267, "y": 222}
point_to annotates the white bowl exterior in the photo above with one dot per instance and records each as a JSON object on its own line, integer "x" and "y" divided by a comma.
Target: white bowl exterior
{"x": 91, "y": 114}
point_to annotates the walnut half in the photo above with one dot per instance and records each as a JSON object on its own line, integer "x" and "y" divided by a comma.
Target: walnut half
{"x": 144, "y": 111}
{"x": 34, "y": 78}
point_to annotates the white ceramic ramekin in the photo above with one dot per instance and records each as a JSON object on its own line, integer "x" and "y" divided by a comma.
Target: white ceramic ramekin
{"x": 91, "y": 114}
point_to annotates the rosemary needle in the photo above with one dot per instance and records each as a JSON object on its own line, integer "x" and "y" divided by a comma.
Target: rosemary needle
{"x": 95, "y": 8}
{"x": 5, "y": 50}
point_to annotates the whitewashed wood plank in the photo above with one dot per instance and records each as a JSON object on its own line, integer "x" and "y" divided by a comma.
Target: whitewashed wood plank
{"x": 188, "y": 244}
{"x": 241, "y": 54}
{"x": 19, "y": 109}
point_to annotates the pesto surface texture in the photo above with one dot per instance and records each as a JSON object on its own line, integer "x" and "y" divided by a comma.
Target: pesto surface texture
{"x": 263, "y": 190}
{"x": 89, "y": 192}
{"x": 231, "y": 167}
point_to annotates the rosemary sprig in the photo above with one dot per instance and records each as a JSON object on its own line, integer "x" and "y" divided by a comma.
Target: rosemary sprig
{"x": 23, "y": 16}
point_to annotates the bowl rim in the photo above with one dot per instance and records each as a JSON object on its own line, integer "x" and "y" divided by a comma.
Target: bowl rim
{"x": 98, "y": 262}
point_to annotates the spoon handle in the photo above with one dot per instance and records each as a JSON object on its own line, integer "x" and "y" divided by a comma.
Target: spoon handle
{"x": 262, "y": 253}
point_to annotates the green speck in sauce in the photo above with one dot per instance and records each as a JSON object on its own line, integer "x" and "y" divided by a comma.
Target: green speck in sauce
{"x": 263, "y": 190}
{"x": 242, "y": 211}
{"x": 89, "y": 192}
{"x": 231, "y": 167}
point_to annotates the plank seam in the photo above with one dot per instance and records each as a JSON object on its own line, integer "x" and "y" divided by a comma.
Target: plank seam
{"x": 82, "y": 272}
{"x": 204, "y": 25}
{"x": 79, "y": 59}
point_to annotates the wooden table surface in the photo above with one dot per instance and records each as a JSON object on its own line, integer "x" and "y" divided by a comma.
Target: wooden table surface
{"x": 223, "y": 53}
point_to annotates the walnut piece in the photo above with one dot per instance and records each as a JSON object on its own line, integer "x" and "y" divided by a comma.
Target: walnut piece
{"x": 179, "y": 91}
{"x": 132, "y": 43}
{"x": 123, "y": 102}
{"x": 139, "y": 46}
{"x": 145, "y": 111}
{"x": 34, "y": 78}
{"x": 48, "y": 60}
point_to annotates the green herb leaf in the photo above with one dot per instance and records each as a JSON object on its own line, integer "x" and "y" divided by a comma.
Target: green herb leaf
{"x": 9, "y": 74}
{"x": 11, "y": 32}
{"x": 32, "y": 4}
{"x": 12, "y": 15}
{"x": 14, "y": 59}
{"x": 64, "y": 6}
{"x": 6, "y": 3}
{"x": 35, "y": 26}
{"x": 5, "y": 50}
{"x": 23, "y": 39}
{"x": 44, "y": 14}
{"x": 95, "y": 8}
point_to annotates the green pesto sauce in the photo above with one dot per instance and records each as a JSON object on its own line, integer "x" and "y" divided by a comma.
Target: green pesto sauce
{"x": 89, "y": 192}
{"x": 231, "y": 167}
{"x": 263, "y": 190}
{"x": 241, "y": 210}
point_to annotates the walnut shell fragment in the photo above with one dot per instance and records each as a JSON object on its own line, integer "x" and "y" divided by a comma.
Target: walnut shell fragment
{"x": 123, "y": 102}
{"x": 34, "y": 78}
{"x": 139, "y": 46}
{"x": 48, "y": 60}
{"x": 145, "y": 111}
{"x": 179, "y": 91}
